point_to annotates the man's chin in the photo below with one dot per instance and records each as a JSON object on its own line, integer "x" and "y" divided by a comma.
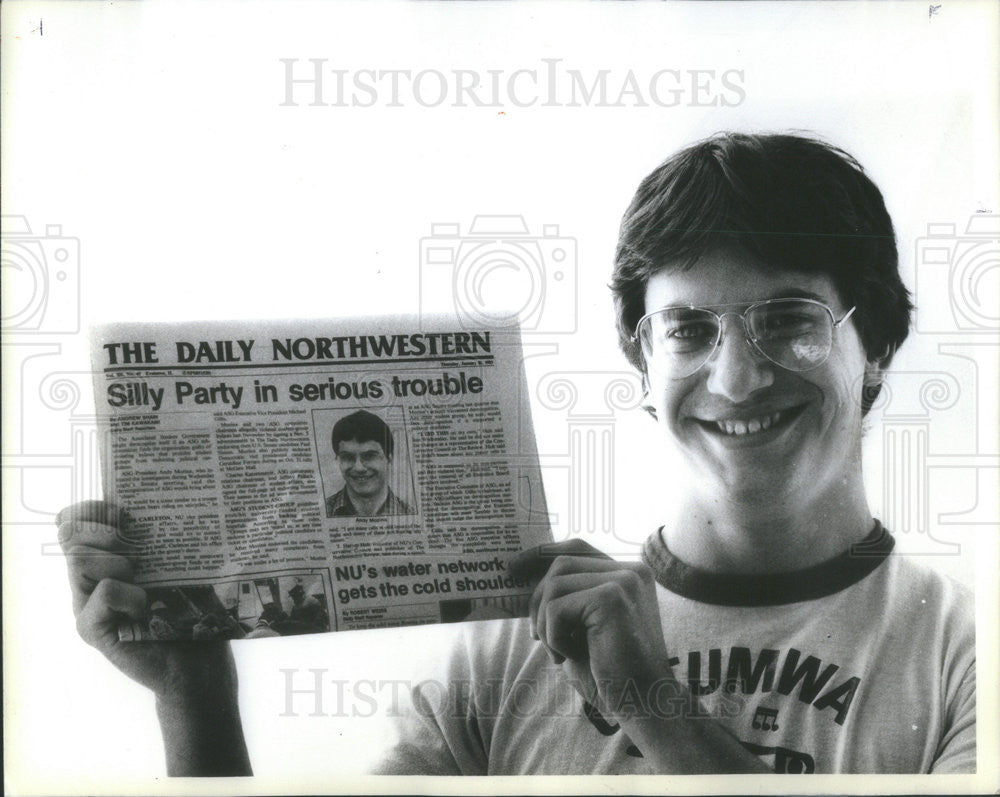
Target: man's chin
{"x": 750, "y": 485}
{"x": 366, "y": 490}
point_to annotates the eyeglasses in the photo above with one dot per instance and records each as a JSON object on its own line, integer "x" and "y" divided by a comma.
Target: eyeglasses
{"x": 796, "y": 334}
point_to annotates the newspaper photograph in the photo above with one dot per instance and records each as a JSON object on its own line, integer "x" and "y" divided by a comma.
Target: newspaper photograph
{"x": 287, "y": 477}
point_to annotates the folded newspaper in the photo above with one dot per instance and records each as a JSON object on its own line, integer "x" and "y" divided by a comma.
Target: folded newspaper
{"x": 295, "y": 477}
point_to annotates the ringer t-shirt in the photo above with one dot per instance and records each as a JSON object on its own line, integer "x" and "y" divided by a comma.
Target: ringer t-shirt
{"x": 862, "y": 664}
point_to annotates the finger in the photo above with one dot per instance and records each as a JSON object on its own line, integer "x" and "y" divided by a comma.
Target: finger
{"x": 109, "y": 603}
{"x": 534, "y": 562}
{"x": 558, "y": 581}
{"x": 553, "y": 588}
{"x": 566, "y": 565}
{"x": 94, "y": 535}
{"x": 89, "y": 566}
{"x": 105, "y": 512}
{"x": 564, "y": 622}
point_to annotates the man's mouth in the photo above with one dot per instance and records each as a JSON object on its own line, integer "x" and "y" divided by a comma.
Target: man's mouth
{"x": 748, "y": 427}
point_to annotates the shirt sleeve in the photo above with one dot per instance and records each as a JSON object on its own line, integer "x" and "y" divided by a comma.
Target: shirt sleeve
{"x": 956, "y": 753}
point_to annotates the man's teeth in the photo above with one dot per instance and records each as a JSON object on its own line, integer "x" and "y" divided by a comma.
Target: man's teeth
{"x": 748, "y": 427}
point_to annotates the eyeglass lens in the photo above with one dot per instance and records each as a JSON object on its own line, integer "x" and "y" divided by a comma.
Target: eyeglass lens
{"x": 794, "y": 334}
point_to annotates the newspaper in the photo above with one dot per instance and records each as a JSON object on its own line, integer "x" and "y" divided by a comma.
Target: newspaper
{"x": 245, "y": 521}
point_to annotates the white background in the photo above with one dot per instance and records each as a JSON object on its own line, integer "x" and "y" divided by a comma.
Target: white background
{"x": 154, "y": 134}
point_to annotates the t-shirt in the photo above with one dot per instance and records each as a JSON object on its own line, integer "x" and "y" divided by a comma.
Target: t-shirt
{"x": 863, "y": 664}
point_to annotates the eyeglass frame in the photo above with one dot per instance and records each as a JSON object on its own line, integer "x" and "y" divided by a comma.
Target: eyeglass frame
{"x": 751, "y": 341}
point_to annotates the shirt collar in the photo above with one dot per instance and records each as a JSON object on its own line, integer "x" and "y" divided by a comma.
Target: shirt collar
{"x": 769, "y": 589}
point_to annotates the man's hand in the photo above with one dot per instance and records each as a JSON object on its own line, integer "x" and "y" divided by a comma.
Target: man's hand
{"x": 194, "y": 682}
{"x": 93, "y": 535}
{"x": 598, "y": 618}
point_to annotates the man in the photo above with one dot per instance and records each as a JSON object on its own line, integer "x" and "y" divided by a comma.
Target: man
{"x": 770, "y": 626}
{"x": 307, "y": 615}
{"x": 363, "y": 445}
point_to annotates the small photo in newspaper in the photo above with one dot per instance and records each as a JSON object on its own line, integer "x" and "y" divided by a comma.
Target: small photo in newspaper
{"x": 269, "y": 606}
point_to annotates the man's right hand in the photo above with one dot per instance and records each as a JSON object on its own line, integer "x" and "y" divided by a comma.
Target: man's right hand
{"x": 94, "y": 537}
{"x": 194, "y": 682}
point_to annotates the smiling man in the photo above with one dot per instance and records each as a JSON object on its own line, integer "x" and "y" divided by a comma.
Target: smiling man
{"x": 364, "y": 445}
{"x": 759, "y": 381}
{"x": 771, "y": 626}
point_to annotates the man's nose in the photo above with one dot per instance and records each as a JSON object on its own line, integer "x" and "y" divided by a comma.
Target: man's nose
{"x": 735, "y": 369}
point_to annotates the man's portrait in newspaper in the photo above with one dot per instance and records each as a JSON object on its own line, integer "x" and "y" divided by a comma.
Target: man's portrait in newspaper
{"x": 365, "y": 450}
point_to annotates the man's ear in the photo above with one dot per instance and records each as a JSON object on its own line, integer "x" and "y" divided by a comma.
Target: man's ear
{"x": 886, "y": 358}
{"x": 875, "y": 374}
{"x": 646, "y": 405}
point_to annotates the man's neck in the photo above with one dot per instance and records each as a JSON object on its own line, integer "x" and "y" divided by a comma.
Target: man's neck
{"x": 368, "y": 505}
{"x": 724, "y": 537}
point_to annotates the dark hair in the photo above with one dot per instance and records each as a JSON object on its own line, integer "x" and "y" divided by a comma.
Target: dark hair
{"x": 361, "y": 427}
{"x": 791, "y": 202}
